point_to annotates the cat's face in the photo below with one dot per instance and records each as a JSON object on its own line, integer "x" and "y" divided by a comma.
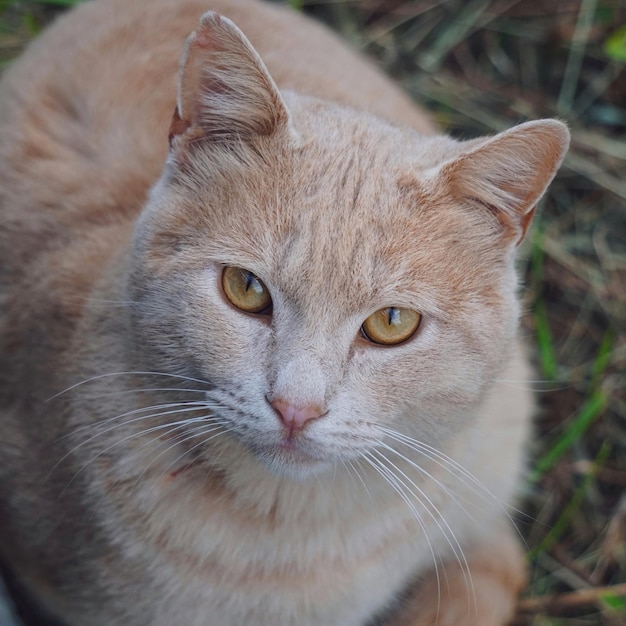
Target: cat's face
{"x": 334, "y": 216}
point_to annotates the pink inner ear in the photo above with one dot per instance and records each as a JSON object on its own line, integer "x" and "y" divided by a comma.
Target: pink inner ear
{"x": 203, "y": 36}
{"x": 525, "y": 221}
{"x": 178, "y": 126}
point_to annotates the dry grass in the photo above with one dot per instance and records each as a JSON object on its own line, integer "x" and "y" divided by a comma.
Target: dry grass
{"x": 483, "y": 65}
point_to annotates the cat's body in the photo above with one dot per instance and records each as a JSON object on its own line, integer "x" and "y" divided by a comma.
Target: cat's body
{"x": 244, "y": 520}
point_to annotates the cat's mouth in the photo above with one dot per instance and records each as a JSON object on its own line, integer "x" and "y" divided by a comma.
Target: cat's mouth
{"x": 291, "y": 456}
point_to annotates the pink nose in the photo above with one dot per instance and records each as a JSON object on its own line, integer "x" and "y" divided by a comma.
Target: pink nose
{"x": 295, "y": 418}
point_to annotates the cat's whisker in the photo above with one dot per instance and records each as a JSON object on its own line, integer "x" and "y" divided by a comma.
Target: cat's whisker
{"x": 433, "y": 512}
{"x": 536, "y": 386}
{"x": 141, "y": 451}
{"x": 186, "y": 408}
{"x": 88, "y": 299}
{"x": 458, "y": 471}
{"x": 153, "y": 407}
{"x": 186, "y": 426}
{"x": 188, "y": 433}
{"x": 121, "y": 392}
{"x": 349, "y": 470}
{"x": 391, "y": 480}
{"x": 455, "y": 497}
{"x": 446, "y": 462}
{"x": 204, "y": 418}
{"x": 537, "y": 381}
{"x": 170, "y": 442}
{"x": 352, "y": 464}
{"x": 112, "y": 304}
{"x": 214, "y": 427}
{"x": 451, "y": 466}
{"x": 128, "y": 373}
{"x": 158, "y": 440}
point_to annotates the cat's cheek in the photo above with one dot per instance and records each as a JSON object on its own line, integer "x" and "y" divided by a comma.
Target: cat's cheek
{"x": 381, "y": 368}
{"x": 423, "y": 384}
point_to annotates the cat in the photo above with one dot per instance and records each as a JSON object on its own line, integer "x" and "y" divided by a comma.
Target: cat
{"x": 266, "y": 372}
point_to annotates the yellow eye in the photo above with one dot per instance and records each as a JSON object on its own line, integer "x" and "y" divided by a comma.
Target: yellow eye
{"x": 391, "y": 326}
{"x": 245, "y": 291}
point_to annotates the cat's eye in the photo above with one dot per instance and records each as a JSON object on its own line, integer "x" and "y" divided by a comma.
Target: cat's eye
{"x": 391, "y": 326}
{"x": 245, "y": 291}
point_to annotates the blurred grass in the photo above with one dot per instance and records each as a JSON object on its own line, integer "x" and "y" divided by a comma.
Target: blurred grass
{"x": 481, "y": 66}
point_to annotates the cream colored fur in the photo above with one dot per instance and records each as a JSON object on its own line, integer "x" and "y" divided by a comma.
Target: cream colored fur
{"x": 122, "y": 505}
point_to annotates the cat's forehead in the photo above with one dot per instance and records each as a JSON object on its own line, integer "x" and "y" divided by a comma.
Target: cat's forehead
{"x": 342, "y": 210}
{"x": 342, "y": 225}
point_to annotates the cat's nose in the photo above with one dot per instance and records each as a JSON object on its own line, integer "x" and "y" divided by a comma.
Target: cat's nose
{"x": 295, "y": 418}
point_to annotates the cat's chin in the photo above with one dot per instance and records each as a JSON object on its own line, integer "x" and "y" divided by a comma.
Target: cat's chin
{"x": 291, "y": 461}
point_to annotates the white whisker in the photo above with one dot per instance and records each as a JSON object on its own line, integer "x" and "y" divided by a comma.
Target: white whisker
{"x": 138, "y": 390}
{"x": 445, "y": 462}
{"x": 190, "y": 433}
{"x": 456, "y": 470}
{"x": 453, "y": 496}
{"x": 129, "y": 373}
{"x": 211, "y": 429}
{"x": 443, "y": 526}
{"x": 537, "y": 386}
{"x": 196, "y": 407}
{"x": 204, "y": 418}
{"x": 198, "y": 404}
{"x": 391, "y": 479}
{"x": 365, "y": 487}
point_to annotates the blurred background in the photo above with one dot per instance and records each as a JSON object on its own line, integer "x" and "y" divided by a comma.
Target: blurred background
{"x": 481, "y": 66}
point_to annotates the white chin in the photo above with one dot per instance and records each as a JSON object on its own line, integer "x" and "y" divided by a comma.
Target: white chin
{"x": 292, "y": 463}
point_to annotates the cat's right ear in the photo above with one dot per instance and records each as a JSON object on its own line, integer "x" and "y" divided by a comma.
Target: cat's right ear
{"x": 225, "y": 93}
{"x": 507, "y": 174}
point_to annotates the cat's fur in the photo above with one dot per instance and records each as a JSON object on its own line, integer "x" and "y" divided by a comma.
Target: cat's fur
{"x": 107, "y": 517}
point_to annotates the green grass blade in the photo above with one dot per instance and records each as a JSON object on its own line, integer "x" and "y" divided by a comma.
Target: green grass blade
{"x": 590, "y": 411}
{"x": 563, "y": 522}
{"x": 549, "y": 366}
{"x": 605, "y": 352}
{"x": 614, "y": 603}
{"x": 545, "y": 344}
{"x": 615, "y": 45}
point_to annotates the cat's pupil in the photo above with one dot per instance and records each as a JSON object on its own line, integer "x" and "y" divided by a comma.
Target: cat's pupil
{"x": 393, "y": 316}
{"x": 249, "y": 279}
{"x": 253, "y": 282}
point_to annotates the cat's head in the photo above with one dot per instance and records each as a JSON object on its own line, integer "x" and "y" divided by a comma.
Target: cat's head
{"x": 330, "y": 275}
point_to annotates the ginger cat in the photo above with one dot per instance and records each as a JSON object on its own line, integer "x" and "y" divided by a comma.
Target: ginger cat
{"x": 266, "y": 374}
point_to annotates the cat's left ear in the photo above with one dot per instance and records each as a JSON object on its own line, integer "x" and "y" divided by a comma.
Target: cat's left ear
{"x": 507, "y": 174}
{"x": 225, "y": 93}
